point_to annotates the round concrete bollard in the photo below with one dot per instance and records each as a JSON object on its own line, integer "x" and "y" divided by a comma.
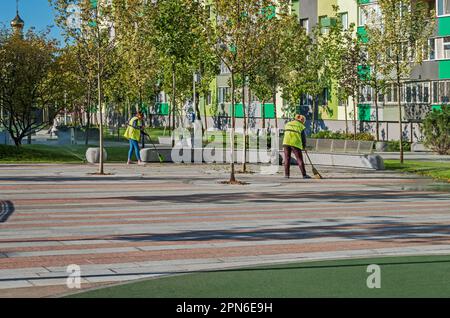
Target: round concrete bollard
{"x": 93, "y": 155}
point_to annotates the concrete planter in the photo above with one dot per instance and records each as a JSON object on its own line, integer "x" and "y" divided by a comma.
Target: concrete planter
{"x": 419, "y": 147}
{"x": 165, "y": 140}
{"x": 381, "y": 146}
{"x": 93, "y": 155}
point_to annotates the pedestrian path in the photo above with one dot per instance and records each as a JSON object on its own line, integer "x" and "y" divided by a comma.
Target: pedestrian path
{"x": 143, "y": 222}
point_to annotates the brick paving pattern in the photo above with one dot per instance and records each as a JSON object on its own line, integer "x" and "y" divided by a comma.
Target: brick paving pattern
{"x": 143, "y": 222}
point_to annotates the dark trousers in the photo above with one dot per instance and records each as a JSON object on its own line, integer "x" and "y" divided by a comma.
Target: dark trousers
{"x": 288, "y": 150}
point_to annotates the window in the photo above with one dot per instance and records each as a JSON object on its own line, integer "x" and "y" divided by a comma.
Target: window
{"x": 389, "y": 94}
{"x": 435, "y": 92}
{"x": 417, "y": 93}
{"x": 305, "y": 24}
{"x": 365, "y": 94}
{"x": 223, "y": 95}
{"x": 368, "y": 13}
{"x": 447, "y": 47}
{"x": 224, "y": 69}
{"x": 323, "y": 24}
{"x": 431, "y": 49}
{"x": 209, "y": 98}
{"x": 443, "y": 7}
{"x": 344, "y": 20}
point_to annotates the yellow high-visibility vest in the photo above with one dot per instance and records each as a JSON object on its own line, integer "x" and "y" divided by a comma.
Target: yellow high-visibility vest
{"x": 133, "y": 132}
{"x": 293, "y": 134}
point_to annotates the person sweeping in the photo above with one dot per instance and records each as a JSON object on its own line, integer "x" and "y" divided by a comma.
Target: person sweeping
{"x": 294, "y": 142}
{"x": 133, "y": 134}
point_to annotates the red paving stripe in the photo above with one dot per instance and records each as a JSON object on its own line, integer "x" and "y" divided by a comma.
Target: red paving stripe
{"x": 264, "y": 236}
{"x": 201, "y": 253}
{"x": 256, "y": 207}
{"x": 213, "y": 218}
{"x": 89, "y": 186}
{"x": 400, "y": 210}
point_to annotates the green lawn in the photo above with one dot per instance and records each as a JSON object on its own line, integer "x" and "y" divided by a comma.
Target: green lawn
{"x": 436, "y": 170}
{"x": 55, "y": 154}
{"x": 418, "y": 276}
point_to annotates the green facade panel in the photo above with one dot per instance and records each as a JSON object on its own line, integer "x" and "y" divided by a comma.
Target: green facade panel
{"x": 238, "y": 111}
{"x": 362, "y": 34}
{"x": 444, "y": 26}
{"x": 269, "y": 111}
{"x": 364, "y": 111}
{"x": 444, "y": 69}
{"x": 162, "y": 109}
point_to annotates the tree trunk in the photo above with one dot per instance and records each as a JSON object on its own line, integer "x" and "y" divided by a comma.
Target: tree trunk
{"x": 205, "y": 117}
{"x": 233, "y": 127}
{"x": 400, "y": 120}
{"x": 99, "y": 83}
{"x": 17, "y": 141}
{"x": 244, "y": 137}
{"x": 88, "y": 116}
{"x": 355, "y": 114}
{"x": 314, "y": 106}
{"x": 377, "y": 124}
{"x": 263, "y": 110}
{"x": 346, "y": 116}
{"x": 173, "y": 102}
{"x": 275, "y": 106}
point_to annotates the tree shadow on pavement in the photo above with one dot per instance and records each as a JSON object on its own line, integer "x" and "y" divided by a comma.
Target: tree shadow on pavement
{"x": 6, "y": 210}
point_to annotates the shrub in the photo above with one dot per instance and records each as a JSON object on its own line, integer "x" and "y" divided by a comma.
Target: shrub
{"x": 436, "y": 130}
{"x": 394, "y": 146}
{"x": 326, "y": 134}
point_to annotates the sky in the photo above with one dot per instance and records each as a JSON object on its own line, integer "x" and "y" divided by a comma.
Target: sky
{"x": 35, "y": 13}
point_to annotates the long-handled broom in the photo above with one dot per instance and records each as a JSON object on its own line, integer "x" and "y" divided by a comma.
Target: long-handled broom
{"x": 160, "y": 157}
{"x": 316, "y": 173}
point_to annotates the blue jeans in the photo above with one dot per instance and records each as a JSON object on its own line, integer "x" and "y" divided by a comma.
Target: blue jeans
{"x": 134, "y": 145}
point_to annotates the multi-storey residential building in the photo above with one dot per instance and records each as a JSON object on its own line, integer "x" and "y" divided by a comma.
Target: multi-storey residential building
{"x": 427, "y": 88}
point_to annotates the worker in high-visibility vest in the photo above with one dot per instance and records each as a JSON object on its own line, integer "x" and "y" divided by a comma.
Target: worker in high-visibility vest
{"x": 294, "y": 142}
{"x": 133, "y": 134}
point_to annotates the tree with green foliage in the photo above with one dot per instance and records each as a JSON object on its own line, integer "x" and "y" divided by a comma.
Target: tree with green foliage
{"x": 175, "y": 33}
{"x": 34, "y": 78}
{"x": 406, "y": 26}
{"x": 270, "y": 73}
{"x": 436, "y": 130}
{"x": 139, "y": 69}
{"x": 350, "y": 72}
{"x": 239, "y": 38}
{"x": 376, "y": 59}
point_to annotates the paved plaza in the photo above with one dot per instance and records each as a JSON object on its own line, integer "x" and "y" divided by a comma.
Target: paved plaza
{"x": 141, "y": 222}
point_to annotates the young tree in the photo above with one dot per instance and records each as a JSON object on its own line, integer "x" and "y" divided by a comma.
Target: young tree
{"x": 176, "y": 30}
{"x": 270, "y": 73}
{"x": 239, "y": 37}
{"x": 376, "y": 61}
{"x": 139, "y": 60}
{"x": 350, "y": 73}
{"x": 90, "y": 24}
{"x": 406, "y": 26}
{"x": 311, "y": 72}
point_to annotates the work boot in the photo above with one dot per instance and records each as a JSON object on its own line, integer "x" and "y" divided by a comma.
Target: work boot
{"x": 306, "y": 177}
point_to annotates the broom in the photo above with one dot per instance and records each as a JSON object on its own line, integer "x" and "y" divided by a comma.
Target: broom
{"x": 160, "y": 157}
{"x": 316, "y": 173}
